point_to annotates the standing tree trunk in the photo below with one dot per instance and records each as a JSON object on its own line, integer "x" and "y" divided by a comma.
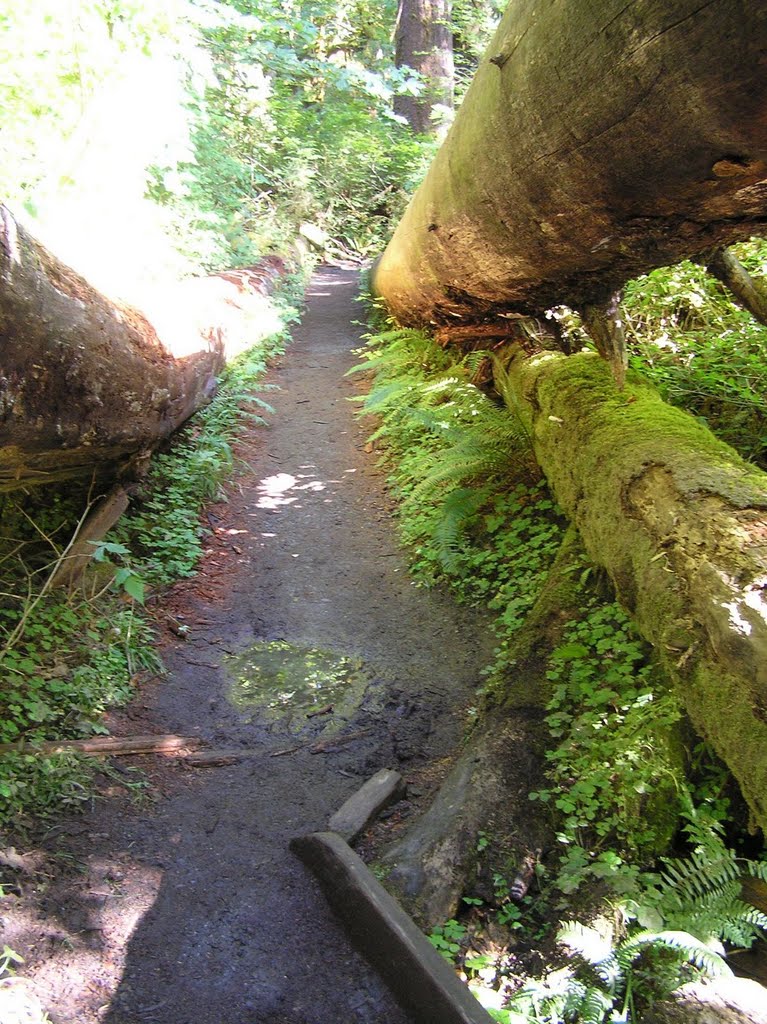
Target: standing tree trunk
{"x": 596, "y": 141}
{"x": 424, "y": 42}
{"x": 86, "y": 384}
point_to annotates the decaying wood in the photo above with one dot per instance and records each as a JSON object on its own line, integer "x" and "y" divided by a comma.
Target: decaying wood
{"x": 218, "y": 758}
{"x": 356, "y": 813}
{"x": 86, "y": 382}
{"x": 107, "y": 745}
{"x": 605, "y": 327}
{"x": 337, "y": 741}
{"x": 428, "y": 868}
{"x": 596, "y": 141}
{"x": 327, "y": 710}
{"x": 213, "y": 758}
{"x": 95, "y": 527}
{"x": 724, "y": 265}
{"x": 525, "y": 875}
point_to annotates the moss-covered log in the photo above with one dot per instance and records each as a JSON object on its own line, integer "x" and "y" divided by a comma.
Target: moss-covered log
{"x": 679, "y": 521}
{"x": 86, "y": 383}
{"x": 597, "y": 141}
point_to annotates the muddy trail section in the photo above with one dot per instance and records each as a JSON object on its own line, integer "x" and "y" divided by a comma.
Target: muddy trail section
{"x": 190, "y": 909}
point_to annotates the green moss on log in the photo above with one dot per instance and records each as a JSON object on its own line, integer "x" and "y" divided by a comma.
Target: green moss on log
{"x": 677, "y": 519}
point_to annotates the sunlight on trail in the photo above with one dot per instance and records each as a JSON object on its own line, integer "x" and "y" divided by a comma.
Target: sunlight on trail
{"x": 273, "y": 489}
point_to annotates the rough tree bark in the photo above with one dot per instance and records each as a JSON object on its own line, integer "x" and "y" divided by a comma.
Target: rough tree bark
{"x": 424, "y": 42}
{"x": 596, "y": 141}
{"x": 89, "y": 385}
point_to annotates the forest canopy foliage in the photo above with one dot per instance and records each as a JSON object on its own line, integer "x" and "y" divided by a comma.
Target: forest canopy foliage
{"x": 208, "y": 133}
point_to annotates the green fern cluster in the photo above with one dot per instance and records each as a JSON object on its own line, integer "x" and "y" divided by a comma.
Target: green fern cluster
{"x": 678, "y": 928}
{"x": 472, "y": 511}
{"x": 706, "y": 894}
{"x": 699, "y": 906}
{"x": 454, "y": 449}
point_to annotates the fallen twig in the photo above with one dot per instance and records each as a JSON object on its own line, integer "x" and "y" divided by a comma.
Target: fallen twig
{"x": 337, "y": 741}
{"x": 218, "y": 758}
{"x": 327, "y": 710}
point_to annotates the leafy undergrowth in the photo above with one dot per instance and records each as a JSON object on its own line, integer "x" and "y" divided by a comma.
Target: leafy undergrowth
{"x": 702, "y": 351}
{"x": 68, "y": 656}
{"x": 619, "y": 778}
{"x": 473, "y": 509}
{"x": 161, "y": 530}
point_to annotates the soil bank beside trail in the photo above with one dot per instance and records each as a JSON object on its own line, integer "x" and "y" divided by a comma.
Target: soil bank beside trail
{"x": 222, "y": 924}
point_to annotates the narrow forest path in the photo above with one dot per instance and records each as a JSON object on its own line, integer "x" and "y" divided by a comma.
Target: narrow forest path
{"x": 193, "y": 911}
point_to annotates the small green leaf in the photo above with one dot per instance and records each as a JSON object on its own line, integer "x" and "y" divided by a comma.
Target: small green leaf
{"x": 134, "y": 586}
{"x": 569, "y": 652}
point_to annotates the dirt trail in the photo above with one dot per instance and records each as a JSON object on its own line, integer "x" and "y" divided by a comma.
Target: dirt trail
{"x": 222, "y": 924}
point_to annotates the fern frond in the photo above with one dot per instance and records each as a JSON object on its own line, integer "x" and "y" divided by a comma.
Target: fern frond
{"x": 456, "y": 512}
{"x": 473, "y": 361}
{"x": 757, "y": 869}
{"x": 586, "y": 942}
{"x": 700, "y": 875}
{"x": 478, "y": 453}
{"x": 594, "y": 1007}
{"x": 686, "y": 946}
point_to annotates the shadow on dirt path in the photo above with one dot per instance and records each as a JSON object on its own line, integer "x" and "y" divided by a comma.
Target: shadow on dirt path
{"x": 228, "y": 926}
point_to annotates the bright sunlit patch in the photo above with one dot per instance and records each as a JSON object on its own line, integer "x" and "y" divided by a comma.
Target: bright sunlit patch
{"x": 752, "y": 598}
{"x": 273, "y": 491}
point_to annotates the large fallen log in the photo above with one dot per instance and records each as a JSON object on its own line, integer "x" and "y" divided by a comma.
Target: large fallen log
{"x": 679, "y": 521}
{"x": 88, "y": 384}
{"x": 596, "y": 141}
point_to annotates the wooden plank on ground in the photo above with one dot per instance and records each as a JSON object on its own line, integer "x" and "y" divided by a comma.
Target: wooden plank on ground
{"x": 420, "y": 978}
{"x": 107, "y": 745}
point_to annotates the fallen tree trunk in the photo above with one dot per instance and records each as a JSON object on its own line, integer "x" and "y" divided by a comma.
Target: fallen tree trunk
{"x": 596, "y": 141}
{"x": 679, "y": 521}
{"x": 87, "y": 384}
{"x": 429, "y": 868}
